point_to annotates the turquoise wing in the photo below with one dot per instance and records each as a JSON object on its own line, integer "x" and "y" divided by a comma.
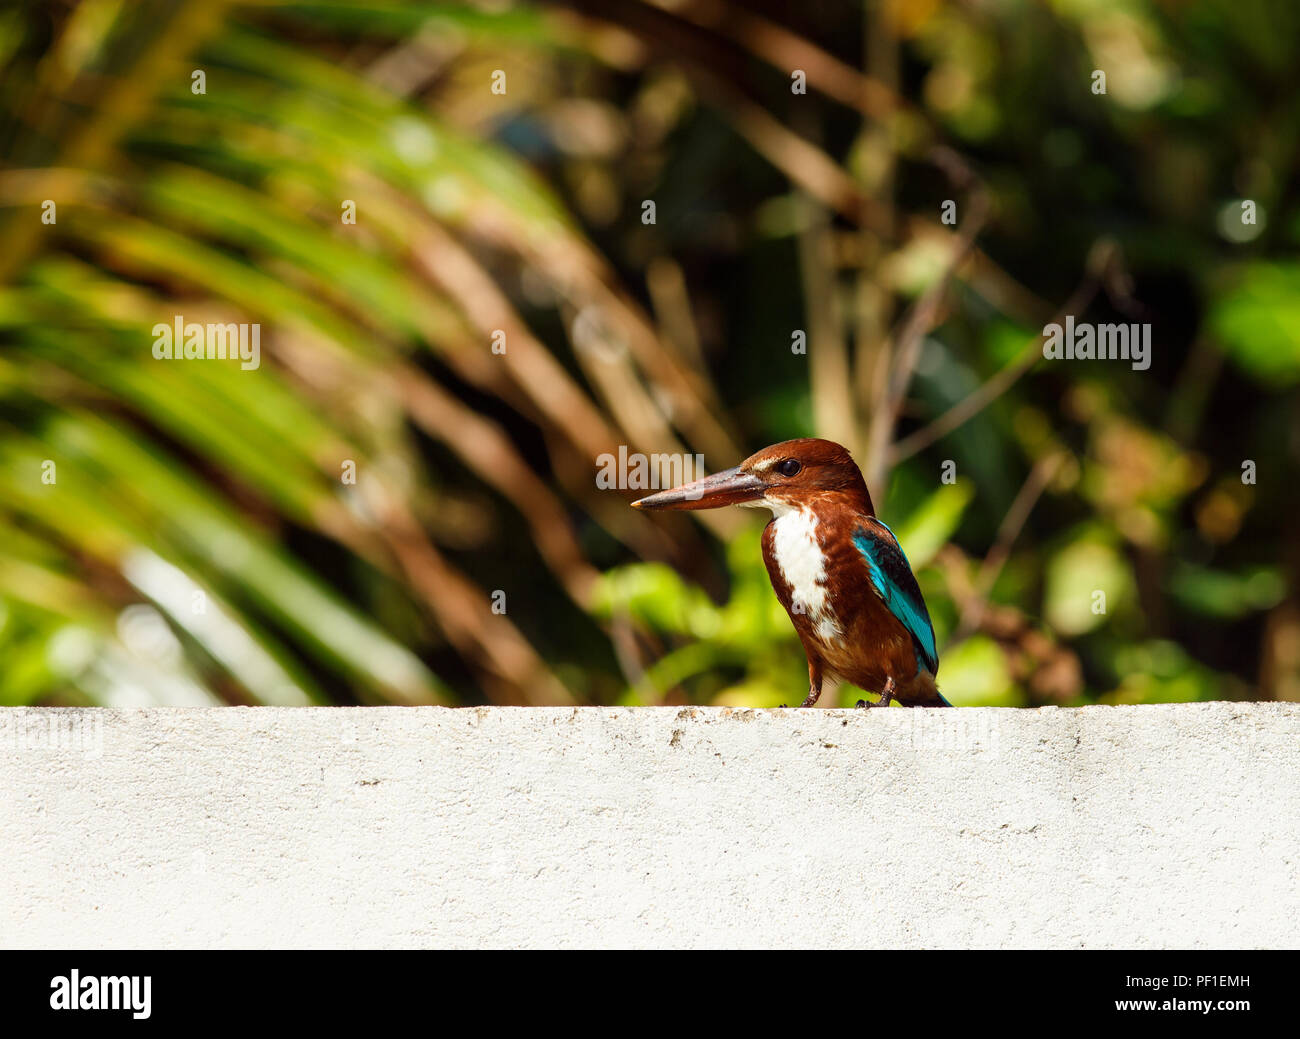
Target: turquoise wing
{"x": 892, "y": 579}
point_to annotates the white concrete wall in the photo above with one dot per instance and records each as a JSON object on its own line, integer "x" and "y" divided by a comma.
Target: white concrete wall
{"x": 1131, "y": 826}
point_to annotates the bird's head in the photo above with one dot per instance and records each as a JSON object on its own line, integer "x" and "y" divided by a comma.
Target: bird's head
{"x": 786, "y": 475}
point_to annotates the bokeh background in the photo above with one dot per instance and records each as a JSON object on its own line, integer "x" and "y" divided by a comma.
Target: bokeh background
{"x": 198, "y": 542}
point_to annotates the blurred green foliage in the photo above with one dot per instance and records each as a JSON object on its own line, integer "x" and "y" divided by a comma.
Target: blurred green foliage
{"x": 199, "y": 545}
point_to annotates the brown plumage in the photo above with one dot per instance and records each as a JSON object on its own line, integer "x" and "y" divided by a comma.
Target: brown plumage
{"x": 875, "y": 646}
{"x": 838, "y": 571}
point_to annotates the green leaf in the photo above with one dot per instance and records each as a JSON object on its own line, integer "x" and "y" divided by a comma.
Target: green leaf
{"x": 1257, "y": 320}
{"x": 1086, "y": 582}
{"x": 975, "y": 674}
{"x": 933, "y": 522}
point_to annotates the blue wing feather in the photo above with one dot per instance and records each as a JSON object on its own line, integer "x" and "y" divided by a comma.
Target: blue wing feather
{"x": 893, "y": 580}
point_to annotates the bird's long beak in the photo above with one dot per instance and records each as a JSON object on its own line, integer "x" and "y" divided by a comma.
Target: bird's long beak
{"x": 729, "y": 487}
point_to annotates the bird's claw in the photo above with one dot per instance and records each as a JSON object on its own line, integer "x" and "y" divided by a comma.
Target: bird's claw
{"x": 886, "y": 695}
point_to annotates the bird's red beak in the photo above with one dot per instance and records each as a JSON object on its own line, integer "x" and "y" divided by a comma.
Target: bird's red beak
{"x": 729, "y": 487}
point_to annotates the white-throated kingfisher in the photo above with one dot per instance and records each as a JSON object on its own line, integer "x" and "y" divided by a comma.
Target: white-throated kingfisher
{"x": 838, "y": 570}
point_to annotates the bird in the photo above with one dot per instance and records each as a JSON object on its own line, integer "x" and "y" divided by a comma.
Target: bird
{"x": 838, "y": 570}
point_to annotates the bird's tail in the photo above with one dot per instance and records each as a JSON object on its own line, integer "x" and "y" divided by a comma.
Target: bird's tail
{"x": 924, "y": 693}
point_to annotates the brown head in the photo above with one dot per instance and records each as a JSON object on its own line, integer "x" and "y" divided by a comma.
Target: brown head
{"x": 791, "y": 473}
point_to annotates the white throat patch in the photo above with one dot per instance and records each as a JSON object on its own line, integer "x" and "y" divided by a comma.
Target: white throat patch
{"x": 799, "y": 556}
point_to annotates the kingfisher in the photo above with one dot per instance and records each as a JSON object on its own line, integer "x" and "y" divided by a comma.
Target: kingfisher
{"x": 838, "y": 570}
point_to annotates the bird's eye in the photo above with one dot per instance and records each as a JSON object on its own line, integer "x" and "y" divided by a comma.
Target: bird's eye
{"x": 790, "y": 467}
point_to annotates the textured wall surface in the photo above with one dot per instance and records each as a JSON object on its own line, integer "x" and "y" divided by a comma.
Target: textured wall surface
{"x": 1103, "y": 826}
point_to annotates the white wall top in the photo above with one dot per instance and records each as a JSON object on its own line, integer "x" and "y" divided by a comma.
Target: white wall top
{"x": 1144, "y": 826}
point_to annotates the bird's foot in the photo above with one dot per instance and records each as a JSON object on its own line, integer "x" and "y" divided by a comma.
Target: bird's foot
{"x": 885, "y": 696}
{"x": 887, "y": 693}
{"x": 811, "y": 698}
